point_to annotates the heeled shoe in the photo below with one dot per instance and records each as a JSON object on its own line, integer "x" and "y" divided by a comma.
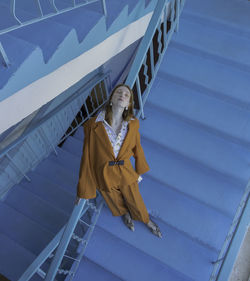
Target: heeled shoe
{"x": 154, "y": 228}
{"x": 128, "y": 221}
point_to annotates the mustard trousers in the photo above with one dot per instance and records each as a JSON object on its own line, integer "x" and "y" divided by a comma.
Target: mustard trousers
{"x": 124, "y": 199}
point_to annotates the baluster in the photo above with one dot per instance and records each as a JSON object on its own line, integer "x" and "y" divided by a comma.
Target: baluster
{"x": 46, "y": 140}
{"x": 177, "y": 15}
{"x": 39, "y": 7}
{"x": 13, "y": 10}
{"x": 159, "y": 41}
{"x": 52, "y": 2}
{"x": 16, "y": 167}
{"x": 41, "y": 273}
{"x": 96, "y": 97}
{"x": 145, "y": 71}
{"x": 152, "y": 60}
{"x": 165, "y": 26}
{"x": 4, "y": 56}
{"x": 138, "y": 87}
{"x": 104, "y": 8}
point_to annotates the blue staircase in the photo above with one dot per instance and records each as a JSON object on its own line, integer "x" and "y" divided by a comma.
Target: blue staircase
{"x": 196, "y": 140}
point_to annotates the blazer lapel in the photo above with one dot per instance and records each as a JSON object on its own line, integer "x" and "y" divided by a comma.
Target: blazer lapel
{"x": 103, "y": 137}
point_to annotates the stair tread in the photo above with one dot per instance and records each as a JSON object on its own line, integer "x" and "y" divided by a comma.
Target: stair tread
{"x": 36, "y": 208}
{"x": 17, "y": 51}
{"x": 197, "y": 143}
{"x": 227, "y": 81}
{"x": 174, "y": 250}
{"x": 74, "y": 146}
{"x": 95, "y": 272}
{"x": 51, "y": 192}
{"x": 74, "y": 19}
{"x": 67, "y": 159}
{"x": 13, "y": 255}
{"x": 234, "y": 13}
{"x": 23, "y": 230}
{"x": 191, "y": 178}
{"x": 57, "y": 173}
{"x": 120, "y": 258}
{"x": 79, "y": 134}
{"x": 229, "y": 46}
{"x": 47, "y": 30}
{"x": 211, "y": 112}
{"x": 185, "y": 213}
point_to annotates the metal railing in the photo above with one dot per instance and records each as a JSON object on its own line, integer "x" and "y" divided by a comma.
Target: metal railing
{"x": 55, "y": 249}
{"x": 232, "y": 231}
{"x": 55, "y": 10}
{"x": 43, "y": 15}
{"x": 163, "y": 23}
{"x": 23, "y": 154}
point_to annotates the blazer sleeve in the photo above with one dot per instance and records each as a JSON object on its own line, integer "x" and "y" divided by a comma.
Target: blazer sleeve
{"x": 141, "y": 165}
{"x": 86, "y": 187}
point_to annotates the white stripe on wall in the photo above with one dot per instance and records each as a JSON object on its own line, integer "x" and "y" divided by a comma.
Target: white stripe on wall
{"x": 32, "y": 97}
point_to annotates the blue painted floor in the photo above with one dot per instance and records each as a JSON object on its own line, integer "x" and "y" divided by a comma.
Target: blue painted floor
{"x": 196, "y": 140}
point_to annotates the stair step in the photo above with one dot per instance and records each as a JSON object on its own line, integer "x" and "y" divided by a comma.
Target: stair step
{"x": 120, "y": 258}
{"x": 191, "y": 178}
{"x": 224, "y": 119}
{"x": 48, "y": 30}
{"x": 174, "y": 250}
{"x": 66, "y": 179}
{"x": 79, "y": 134}
{"x": 23, "y": 230}
{"x": 197, "y": 144}
{"x": 53, "y": 193}
{"x": 36, "y": 209}
{"x": 234, "y": 15}
{"x": 67, "y": 160}
{"x": 225, "y": 47}
{"x": 73, "y": 19}
{"x": 185, "y": 213}
{"x": 14, "y": 258}
{"x": 218, "y": 79}
{"x": 74, "y": 146}
{"x": 17, "y": 51}
{"x": 92, "y": 271}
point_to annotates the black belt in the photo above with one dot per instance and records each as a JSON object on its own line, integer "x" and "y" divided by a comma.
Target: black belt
{"x": 112, "y": 163}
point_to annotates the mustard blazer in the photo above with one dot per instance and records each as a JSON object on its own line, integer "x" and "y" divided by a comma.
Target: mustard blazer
{"x": 95, "y": 171}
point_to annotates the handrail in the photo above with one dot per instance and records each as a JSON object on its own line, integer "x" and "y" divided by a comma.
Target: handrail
{"x": 47, "y": 251}
{"x": 44, "y": 17}
{"x": 145, "y": 43}
{"x": 166, "y": 12}
{"x": 231, "y": 233}
{"x": 66, "y": 236}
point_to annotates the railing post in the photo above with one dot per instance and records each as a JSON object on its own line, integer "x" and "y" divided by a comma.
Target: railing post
{"x": 68, "y": 231}
{"x": 4, "y": 56}
{"x": 177, "y": 15}
{"x": 104, "y": 8}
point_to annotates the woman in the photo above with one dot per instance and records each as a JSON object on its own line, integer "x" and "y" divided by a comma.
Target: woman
{"x": 110, "y": 139}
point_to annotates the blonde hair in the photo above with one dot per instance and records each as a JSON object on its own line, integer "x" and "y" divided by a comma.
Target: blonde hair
{"x": 127, "y": 114}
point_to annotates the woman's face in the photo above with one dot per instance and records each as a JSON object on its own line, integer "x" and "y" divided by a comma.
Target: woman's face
{"x": 121, "y": 97}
